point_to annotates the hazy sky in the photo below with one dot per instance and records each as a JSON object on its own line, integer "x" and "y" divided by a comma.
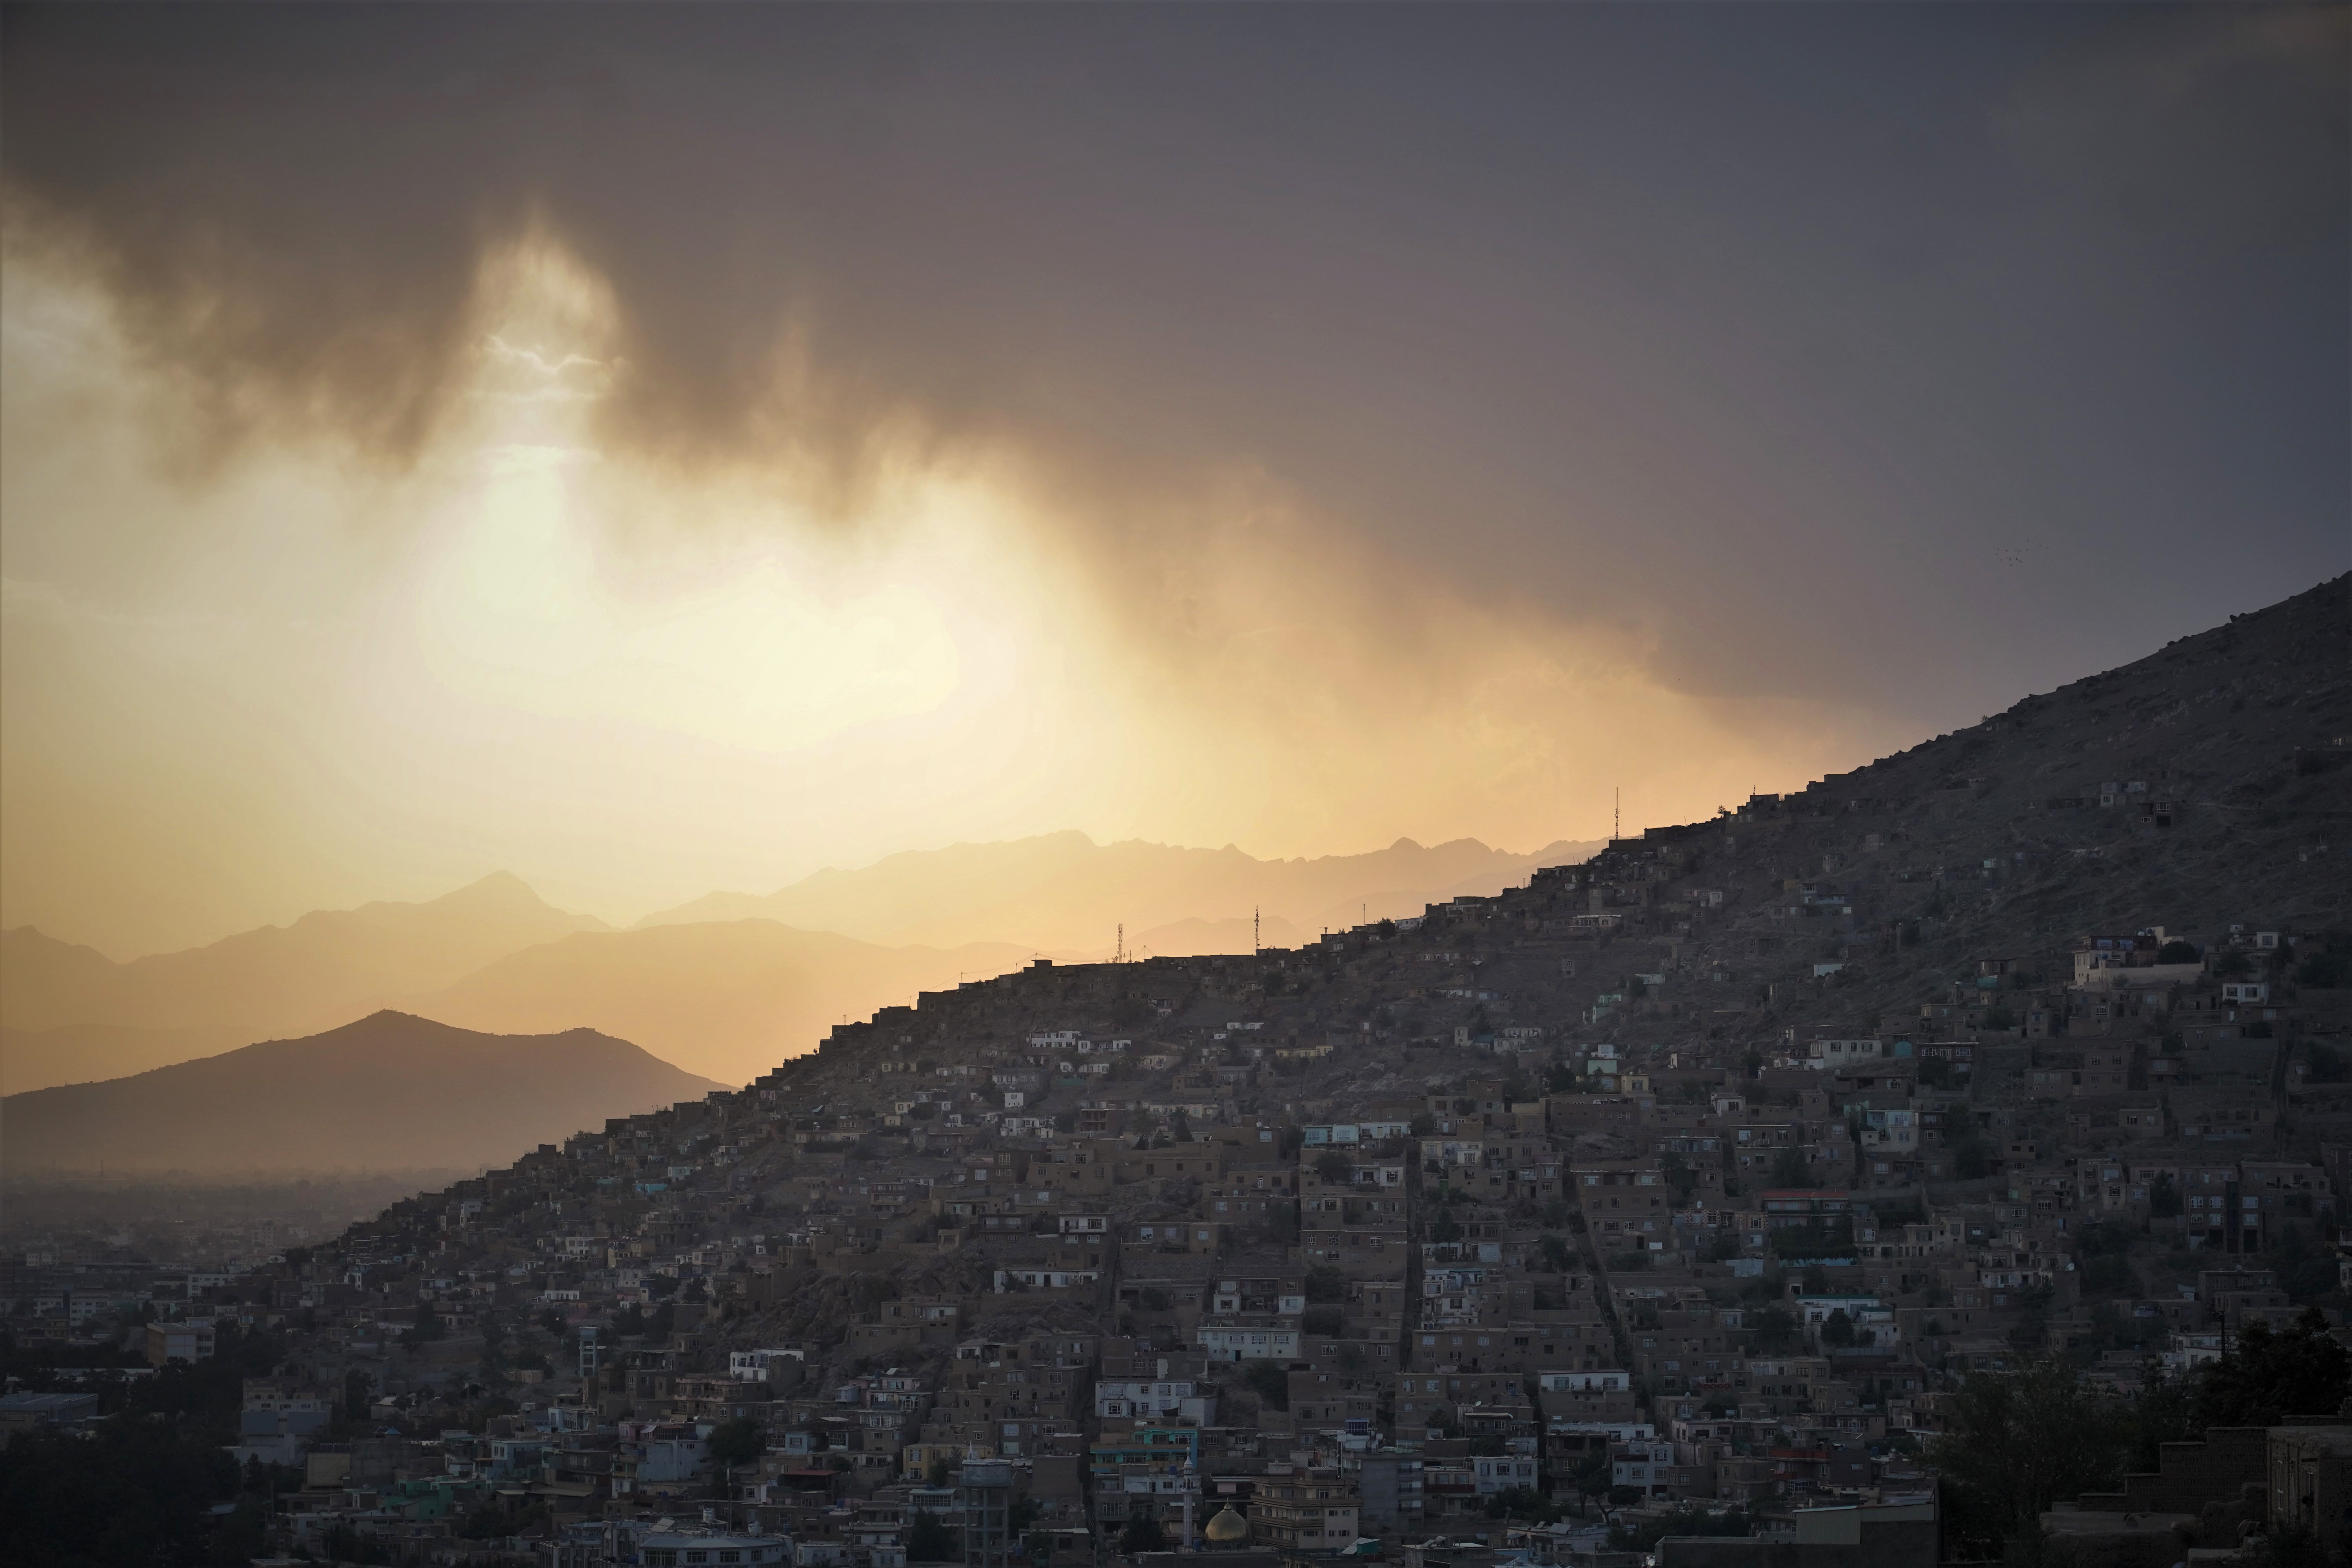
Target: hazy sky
{"x": 660, "y": 449}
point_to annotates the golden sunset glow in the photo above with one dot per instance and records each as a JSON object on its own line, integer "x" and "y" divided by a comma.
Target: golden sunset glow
{"x": 767, "y": 473}
{"x": 635, "y": 679}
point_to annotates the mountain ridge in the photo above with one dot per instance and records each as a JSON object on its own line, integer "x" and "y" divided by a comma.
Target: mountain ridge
{"x": 72, "y": 1015}
{"x": 374, "y": 1094}
{"x": 730, "y": 998}
{"x": 313, "y": 972}
{"x": 1064, "y": 891}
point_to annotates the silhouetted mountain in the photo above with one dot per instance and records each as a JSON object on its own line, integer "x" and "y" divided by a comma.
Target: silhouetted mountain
{"x": 389, "y": 1092}
{"x": 90, "y": 1053}
{"x": 326, "y": 967}
{"x": 1064, "y": 891}
{"x": 728, "y": 1001}
{"x": 730, "y": 998}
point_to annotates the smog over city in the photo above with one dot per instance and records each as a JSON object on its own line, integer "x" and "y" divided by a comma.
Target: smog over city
{"x": 1039, "y": 785}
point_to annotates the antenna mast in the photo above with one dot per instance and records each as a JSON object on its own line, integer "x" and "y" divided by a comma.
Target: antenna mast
{"x": 1120, "y": 956}
{"x": 1255, "y": 944}
{"x": 1617, "y": 812}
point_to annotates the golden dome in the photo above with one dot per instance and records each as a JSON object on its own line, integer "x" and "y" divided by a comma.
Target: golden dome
{"x": 1227, "y": 1528}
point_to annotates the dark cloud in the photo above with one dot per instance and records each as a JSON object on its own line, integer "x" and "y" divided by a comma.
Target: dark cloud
{"x": 1772, "y": 329}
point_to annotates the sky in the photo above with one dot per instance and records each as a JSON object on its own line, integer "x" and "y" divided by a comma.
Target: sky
{"x": 654, "y": 450}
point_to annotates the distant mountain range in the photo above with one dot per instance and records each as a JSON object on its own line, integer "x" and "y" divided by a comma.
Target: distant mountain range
{"x": 729, "y": 997}
{"x": 389, "y": 1092}
{"x": 1064, "y": 893}
{"x": 728, "y": 985}
{"x": 326, "y": 968}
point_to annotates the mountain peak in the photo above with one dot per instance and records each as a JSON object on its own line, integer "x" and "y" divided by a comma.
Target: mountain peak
{"x": 370, "y": 1095}
{"x": 498, "y": 887}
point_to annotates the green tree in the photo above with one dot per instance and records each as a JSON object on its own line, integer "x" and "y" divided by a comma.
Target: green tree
{"x": 2267, "y": 1376}
{"x": 1591, "y": 1474}
{"x": 1269, "y": 1381}
{"x": 1143, "y": 1534}
{"x": 1837, "y": 1330}
{"x": 1775, "y": 1330}
{"x": 2015, "y": 1443}
{"x": 1521, "y": 1502}
{"x": 929, "y": 1541}
{"x": 2302, "y": 1270}
{"x": 1679, "y": 1176}
{"x": 1791, "y": 1169}
{"x": 737, "y": 1442}
{"x": 140, "y": 1490}
{"x": 2163, "y": 1197}
{"x": 2108, "y": 1274}
{"x": 2163, "y": 1413}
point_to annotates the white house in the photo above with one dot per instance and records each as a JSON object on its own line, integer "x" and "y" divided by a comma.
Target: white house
{"x": 1827, "y": 1055}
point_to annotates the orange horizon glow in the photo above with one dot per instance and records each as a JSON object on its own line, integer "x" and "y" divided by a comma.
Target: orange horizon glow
{"x": 299, "y": 678}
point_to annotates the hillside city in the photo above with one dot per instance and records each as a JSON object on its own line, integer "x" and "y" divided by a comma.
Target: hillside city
{"x": 1700, "y": 1181}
